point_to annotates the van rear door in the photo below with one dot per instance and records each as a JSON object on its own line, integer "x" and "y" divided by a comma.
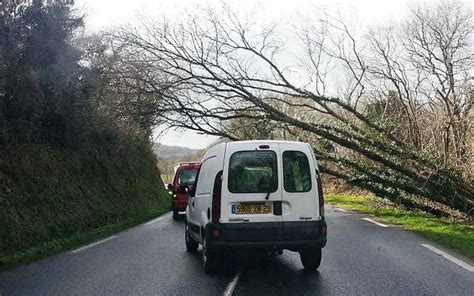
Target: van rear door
{"x": 251, "y": 189}
{"x": 300, "y": 191}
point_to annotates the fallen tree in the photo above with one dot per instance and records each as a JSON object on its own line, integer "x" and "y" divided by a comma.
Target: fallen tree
{"x": 208, "y": 72}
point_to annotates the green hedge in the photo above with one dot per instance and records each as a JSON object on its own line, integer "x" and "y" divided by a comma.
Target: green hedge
{"x": 49, "y": 193}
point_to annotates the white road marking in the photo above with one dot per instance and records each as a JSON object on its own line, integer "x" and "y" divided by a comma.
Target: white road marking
{"x": 157, "y": 219}
{"x": 93, "y": 244}
{"x": 375, "y": 222}
{"x": 229, "y": 290}
{"x": 341, "y": 210}
{"x": 154, "y": 220}
{"x": 449, "y": 257}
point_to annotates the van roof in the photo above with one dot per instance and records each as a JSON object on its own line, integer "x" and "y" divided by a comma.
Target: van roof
{"x": 221, "y": 146}
{"x": 263, "y": 142}
{"x": 184, "y": 166}
{"x": 187, "y": 163}
{"x": 254, "y": 142}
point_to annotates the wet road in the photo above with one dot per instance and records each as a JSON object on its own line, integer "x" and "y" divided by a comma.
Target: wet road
{"x": 361, "y": 258}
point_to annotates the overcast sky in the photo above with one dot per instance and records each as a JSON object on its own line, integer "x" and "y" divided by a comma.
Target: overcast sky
{"x": 102, "y": 14}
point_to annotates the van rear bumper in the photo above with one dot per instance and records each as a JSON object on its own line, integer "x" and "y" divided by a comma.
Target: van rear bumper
{"x": 266, "y": 235}
{"x": 179, "y": 204}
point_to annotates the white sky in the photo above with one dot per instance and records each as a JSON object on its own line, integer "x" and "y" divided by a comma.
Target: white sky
{"x": 101, "y": 14}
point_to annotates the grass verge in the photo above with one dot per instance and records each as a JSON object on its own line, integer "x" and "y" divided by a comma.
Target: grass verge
{"x": 60, "y": 245}
{"x": 446, "y": 231}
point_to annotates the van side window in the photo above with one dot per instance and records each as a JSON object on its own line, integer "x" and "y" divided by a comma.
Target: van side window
{"x": 253, "y": 172}
{"x": 206, "y": 178}
{"x": 296, "y": 172}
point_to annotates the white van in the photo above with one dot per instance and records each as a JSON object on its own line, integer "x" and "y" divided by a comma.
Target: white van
{"x": 263, "y": 195}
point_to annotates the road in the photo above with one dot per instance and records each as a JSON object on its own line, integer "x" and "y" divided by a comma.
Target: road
{"x": 361, "y": 258}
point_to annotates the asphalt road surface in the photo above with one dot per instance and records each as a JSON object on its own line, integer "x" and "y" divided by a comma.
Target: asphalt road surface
{"x": 361, "y": 258}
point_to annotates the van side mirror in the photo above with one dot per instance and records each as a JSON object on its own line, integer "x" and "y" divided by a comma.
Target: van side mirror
{"x": 170, "y": 187}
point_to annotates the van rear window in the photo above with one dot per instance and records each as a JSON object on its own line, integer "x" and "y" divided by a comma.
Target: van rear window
{"x": 296, "y": 172}
{"x": 253, "y": 172}
{"x": 187, "y": 177}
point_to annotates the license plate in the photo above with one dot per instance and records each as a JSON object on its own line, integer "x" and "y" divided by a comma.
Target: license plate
{"x": 247, "y": 208}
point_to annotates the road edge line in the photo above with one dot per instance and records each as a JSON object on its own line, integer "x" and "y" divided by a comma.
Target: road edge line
{"x": 153, "y": 221}
{"x": 375, "y": 222}
{"x": 229, "y": 290}
{"x": 92, "y": 245}
{"x": 453, "y": 259}
{"x": 157, "y": 219}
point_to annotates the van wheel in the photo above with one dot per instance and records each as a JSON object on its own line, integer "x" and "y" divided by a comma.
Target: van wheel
{"x": 311, "y": 258}
{"x": 175, "y": 214}
{"x": 209, "y": 259}
{"x": 191, "y": 244}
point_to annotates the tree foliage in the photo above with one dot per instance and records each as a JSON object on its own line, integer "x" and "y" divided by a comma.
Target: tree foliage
{"x": 42, "y": 81}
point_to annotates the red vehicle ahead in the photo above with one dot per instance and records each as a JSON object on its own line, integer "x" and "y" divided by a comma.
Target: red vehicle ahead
{"x": 183, "y": 181}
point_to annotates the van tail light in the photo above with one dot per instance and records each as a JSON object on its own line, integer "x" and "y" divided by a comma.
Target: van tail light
{"x": 320, "y": 194}
{"x": 215, "y": 233}
{"x": 216, "y": 198}
{"x": 324, "y": 229}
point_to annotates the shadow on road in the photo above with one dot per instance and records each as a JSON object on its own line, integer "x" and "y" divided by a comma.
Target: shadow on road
{"x": 276, "y": 276}
{"x": 180, "y": 218}
{"x": 263, "y": 274}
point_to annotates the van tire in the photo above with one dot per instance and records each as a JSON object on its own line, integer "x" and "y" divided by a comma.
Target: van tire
{"x": 209, "y": 260}
{"x": 191, "y": 244}
{"x": 175, "y": 214}
{"x": 311, "y": 258}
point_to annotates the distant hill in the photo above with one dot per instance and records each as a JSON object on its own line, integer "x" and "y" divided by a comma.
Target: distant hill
{"x": 167, "y": 152}
{"x": 169, "y": 156}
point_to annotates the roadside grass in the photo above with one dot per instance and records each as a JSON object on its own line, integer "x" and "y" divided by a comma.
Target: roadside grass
{"x": 60, "y": 245}
{"x": 445, "y": 231}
